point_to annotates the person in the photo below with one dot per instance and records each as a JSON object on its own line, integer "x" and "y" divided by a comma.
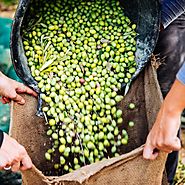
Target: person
{"x": 170, "y": 49}
{"x": 12, "y": 154}
{"x": 163, "y": 135}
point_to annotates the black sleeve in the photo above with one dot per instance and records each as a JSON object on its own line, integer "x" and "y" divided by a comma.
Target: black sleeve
{"x": 171, "y": 9}
{"x": 1, "y": 137}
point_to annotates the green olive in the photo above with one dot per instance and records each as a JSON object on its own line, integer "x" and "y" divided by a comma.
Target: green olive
{"x": 81, "y": 53}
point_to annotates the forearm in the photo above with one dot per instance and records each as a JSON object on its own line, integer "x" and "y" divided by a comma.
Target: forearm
{"x": 175, "y": 100}
{"x": 163, "y": 135}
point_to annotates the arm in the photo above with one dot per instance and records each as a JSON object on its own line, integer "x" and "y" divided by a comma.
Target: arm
{"x": 163, "y": 135}
{"x": 13, "y": 154}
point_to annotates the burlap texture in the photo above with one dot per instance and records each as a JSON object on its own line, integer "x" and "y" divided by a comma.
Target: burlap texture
{"x": 127, "y": 169}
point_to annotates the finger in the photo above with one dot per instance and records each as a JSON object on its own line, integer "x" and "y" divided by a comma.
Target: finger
{"x": 19, "y": 99}
{"x": 7, "y": 100}
{"x": 162, "y": 147}
{"x": 16, "y": 166}
{"x": 4, "y": 161}
{"x": 174, "y": 145}
{"x": 149, "y": 152}
{"x": 23, "y": 89}
{"x": 26, "y": 163}
{"x": 178, "y": 144}
{"x": 31, "y": 92}
{"x": 3, "y": 101}
{"x": 165, "y": 149}
{"x": 7, "y": 168}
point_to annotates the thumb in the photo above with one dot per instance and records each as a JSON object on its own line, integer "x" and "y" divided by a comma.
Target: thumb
{"x": 149, "y": 152}
{"x": 19, "y": 99}
{"x": 26, "y": 163}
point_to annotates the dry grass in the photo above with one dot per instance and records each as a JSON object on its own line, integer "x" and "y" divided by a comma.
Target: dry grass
{"x": 180, "y": 174}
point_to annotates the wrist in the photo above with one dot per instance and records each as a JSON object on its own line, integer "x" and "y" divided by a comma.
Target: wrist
{"x": 171, "y": 109}
{"x": 174, "y": 102}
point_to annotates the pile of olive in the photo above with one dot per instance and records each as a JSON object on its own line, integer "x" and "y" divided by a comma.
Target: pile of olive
{"x": 80, "y": 52}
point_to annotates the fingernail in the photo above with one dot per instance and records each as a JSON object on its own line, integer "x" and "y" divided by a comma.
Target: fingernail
{"x": 22, "y": 101}
{"x": 146, "y": 154}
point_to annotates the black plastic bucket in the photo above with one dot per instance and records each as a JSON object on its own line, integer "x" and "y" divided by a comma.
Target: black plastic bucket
{"x": 145, "y": 13}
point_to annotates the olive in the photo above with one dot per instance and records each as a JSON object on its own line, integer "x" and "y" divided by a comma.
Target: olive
{"x": 80, "y": 53}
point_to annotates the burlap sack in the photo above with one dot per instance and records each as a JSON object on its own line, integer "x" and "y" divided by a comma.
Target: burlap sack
{"x": 127, "y": 169}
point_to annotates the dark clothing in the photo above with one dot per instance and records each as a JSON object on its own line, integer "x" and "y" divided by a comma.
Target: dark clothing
{"x": 171, "y": 9}
{"x": 1, "y": 137}
{"x": 171, "y": 51}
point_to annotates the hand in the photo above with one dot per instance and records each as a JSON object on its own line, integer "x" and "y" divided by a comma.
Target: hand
{"x": 13, "y": 154}
{"x": 163, "y": 135}
{"x": 9, "y": 90}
